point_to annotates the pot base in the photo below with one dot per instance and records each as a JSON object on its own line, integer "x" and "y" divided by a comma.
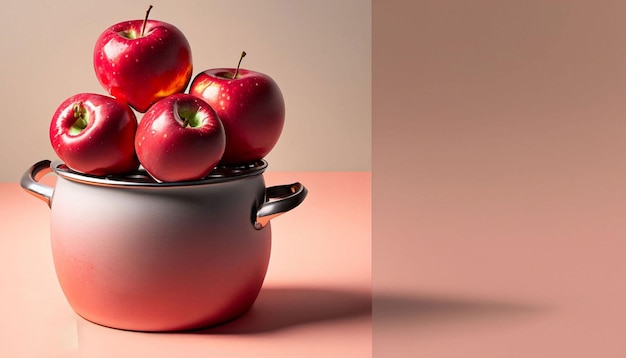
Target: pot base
{"x": 166, "y": 328}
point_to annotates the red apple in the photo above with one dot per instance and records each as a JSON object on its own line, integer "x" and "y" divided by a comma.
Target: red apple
{"x": 142, "y": 61}
{"x": 94, "y": 134}
{"x": 180, "y": 138}
{"x": 251, "y": 107}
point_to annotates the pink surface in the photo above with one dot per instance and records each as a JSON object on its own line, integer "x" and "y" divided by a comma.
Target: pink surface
{"x": 316, "y": 300}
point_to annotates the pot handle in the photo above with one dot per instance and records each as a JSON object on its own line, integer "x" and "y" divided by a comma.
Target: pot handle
{"x": 30, "y": 181}
{"x": 278, "y": 200}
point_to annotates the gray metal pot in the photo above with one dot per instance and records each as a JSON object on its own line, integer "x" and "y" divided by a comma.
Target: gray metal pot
{"x": 135, "y": 254}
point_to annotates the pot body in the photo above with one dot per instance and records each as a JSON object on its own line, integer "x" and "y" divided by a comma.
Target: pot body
{"x": 159, "y": 258}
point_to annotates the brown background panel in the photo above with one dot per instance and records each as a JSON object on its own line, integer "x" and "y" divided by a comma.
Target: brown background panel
{"x": 498, "y": 173}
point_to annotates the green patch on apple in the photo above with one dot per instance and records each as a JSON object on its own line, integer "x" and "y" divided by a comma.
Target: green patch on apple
{"x": 190, "y": 118}
{"x": 130, "y": 34}
{"x": 82, "y": 119}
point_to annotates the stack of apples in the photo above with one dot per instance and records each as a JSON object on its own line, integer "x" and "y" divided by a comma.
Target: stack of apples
{"x": 228, "y": 117}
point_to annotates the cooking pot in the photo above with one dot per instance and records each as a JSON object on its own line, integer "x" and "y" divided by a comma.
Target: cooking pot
{"x": 135, "y": 254}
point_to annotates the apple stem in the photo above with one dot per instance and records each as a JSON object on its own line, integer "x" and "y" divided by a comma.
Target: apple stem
{"x": 80, "y": 115}
{"x": 243, "y": 54}
{"x": 145, "y": 20}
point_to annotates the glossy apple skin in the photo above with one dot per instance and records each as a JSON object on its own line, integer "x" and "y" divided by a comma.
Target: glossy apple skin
{"x": 251, "y": 107}
{"x": 106, "y": 145}
{"x": 172, "y": 152}
{"x": 142, "y": 70}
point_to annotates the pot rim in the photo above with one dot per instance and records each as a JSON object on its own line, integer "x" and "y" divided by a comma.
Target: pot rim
{"x": 140, "y": 178}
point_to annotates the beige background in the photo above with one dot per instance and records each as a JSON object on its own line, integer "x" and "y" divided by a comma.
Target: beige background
{"x": 317, "y": 51}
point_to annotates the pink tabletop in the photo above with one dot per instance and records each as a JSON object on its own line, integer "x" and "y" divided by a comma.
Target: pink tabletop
{"x": 315, "y": 302}
{"x": 535, "y": 279}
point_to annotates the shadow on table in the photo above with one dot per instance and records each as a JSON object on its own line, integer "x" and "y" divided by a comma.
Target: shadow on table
{"x": 427, "y": 311}
{"x": 280, "y": 308}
